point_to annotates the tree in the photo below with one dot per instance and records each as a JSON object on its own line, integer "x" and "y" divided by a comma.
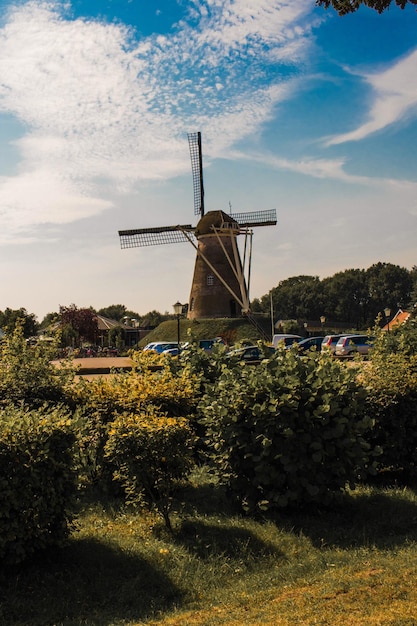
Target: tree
{"x": 82, "y": 321}
{"x": 389, "y": 286}
{"x": 49, "y": 319}
{"x": 343, "y": 7}
{"x": 11, "y": 318}
{"x": 154, "y": 318}
{"x": 354, "y": 296}
{"x": 412, "y": 305}
{"x": 295, "y": 298}
{"x": 346, "y": 298}
{"x": 113, "y": 312}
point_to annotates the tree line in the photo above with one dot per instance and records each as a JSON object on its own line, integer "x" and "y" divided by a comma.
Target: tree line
{"x": 77, "y": 321}
{"x": 354, "y": 296}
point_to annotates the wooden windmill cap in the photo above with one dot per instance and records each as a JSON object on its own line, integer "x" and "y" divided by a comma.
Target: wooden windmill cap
{"x": 217, "y": 219}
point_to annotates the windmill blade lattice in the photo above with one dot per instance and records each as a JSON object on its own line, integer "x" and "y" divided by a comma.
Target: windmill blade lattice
{"x": 194, "y": 141}
{"x": 140, "y": 237}
{"x": 256, "y": 218}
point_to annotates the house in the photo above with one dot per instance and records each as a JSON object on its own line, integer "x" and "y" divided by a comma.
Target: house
{"x": 399, "y": 318}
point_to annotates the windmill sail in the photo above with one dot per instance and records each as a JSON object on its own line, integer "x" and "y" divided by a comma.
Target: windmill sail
{"x": 141, "y": 237}
{"x": 194, "y": 142}
{"x": 256, "y": 218}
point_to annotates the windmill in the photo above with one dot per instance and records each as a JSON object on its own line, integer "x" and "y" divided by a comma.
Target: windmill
{"x": 221, "y": 280}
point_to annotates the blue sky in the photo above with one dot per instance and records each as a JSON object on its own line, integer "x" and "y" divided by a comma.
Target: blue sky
{"x": 300, "y": 110}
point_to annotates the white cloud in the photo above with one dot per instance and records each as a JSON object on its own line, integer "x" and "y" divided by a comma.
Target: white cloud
{"x": 102, "y": 109}
{"x": 394, "y": 97}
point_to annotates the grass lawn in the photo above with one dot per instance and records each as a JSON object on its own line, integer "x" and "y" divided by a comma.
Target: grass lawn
{"x": 354, "y": 564}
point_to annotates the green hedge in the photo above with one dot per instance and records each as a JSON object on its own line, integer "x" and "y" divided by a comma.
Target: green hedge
{"x": 37, "y": 480}
{"x": 290, "y": 431}
{"x": 391, "y": 381}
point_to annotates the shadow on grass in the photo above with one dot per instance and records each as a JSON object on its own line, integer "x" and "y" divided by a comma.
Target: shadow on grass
{"x": 384, "y": 518}
{"x": 208, "y": 540}
{"x": 86, "y": 583}
{"x": 377, "y": 515}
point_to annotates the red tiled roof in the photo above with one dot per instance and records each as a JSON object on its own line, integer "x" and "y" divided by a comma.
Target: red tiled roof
{"x": 399, "y": 318}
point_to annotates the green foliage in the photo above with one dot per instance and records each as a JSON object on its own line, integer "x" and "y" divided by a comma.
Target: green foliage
{"x": 27, "y": 375}
{"x": 113, "y": 312}
{"x": 343, "y": 7}
{"x": 116, "y": 337}
{"x": 297, "y": 297}
{"x": 151, "y": 453}
{"x": 289, "y": 431}
{"x": 37, "y": 481}
{"x": 49, "y": 320}
{"x": 140, "y": 391}
{"x": 10, "y": 319}
{"x": 346, "y": 298}
{"x": 391, "y": 380}
{"x": 354, "y": 297}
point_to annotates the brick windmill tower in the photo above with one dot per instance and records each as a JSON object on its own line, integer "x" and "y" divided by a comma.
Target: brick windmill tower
{"x": 220, "y": 286}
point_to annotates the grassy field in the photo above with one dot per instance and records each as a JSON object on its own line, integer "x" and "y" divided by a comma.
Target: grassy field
{"x": 353, "y": 564}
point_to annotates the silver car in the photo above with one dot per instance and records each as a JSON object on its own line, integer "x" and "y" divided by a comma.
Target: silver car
{"x": 349, "y": 345}
{"x": 330, "y": 341}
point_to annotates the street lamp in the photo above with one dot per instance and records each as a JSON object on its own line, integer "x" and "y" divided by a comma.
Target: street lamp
{"x": 178, "y": 307}
{"x": 387, "y": 312}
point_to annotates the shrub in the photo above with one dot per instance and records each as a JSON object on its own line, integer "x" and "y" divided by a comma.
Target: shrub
{"x": 289, "y": 431}
{"x": 137, "y": 392}
{"x": 27, "y": 375}
{"x": 37, "y": 480}
{"x": 391, "y": 380}
{"x": 150, "y": 454}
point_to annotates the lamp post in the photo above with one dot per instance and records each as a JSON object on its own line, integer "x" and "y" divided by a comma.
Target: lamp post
{"x": 387, "y": 312}
{"x": 178, "y": 312}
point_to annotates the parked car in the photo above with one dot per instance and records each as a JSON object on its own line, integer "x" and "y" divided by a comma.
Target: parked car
{"x": 286, "y": 340}
{"x": 330, "y": 341}
{"x": 172, "y": 351}
{"x": 251, "y": 354}
{"x": 309, "y": 343}
{"x": 350, "y": 345}
{"x": 206, "y": 344}
{"x": 160, "y": 346}
{"x": 149, "y": 346}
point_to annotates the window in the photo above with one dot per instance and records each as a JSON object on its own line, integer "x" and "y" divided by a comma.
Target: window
{"x": 210, "y": 279}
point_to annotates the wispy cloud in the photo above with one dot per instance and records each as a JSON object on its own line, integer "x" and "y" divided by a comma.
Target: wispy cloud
{"x": 393, "y": 97}
{"x": 103, "y": 109}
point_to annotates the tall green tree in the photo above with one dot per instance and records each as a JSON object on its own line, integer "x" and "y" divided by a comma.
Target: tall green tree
{"x": 412, "y": 305}
{"x": 343, "y": 7}
{"x": 346, "y": 298}
{"x": 295, "y": 298}
{"x": 113, "y": 312}
{"x": 49, "y": 319}
{"x": 389, "y": 286}
{"x": 13, "y": 318}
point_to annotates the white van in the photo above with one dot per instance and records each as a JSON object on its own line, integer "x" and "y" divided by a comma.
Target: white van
{"x": 286, "y": 339}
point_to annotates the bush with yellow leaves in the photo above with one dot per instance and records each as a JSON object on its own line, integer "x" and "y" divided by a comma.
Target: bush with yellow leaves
{"x": 150, "y": 454}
